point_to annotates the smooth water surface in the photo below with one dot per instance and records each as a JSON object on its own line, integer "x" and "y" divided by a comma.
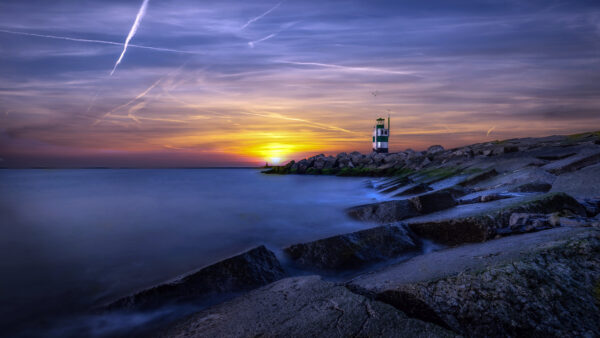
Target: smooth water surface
{"x": 71, "y": 239}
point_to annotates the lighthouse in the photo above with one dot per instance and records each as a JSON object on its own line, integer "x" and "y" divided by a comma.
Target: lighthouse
{"x": 381, "y": 136}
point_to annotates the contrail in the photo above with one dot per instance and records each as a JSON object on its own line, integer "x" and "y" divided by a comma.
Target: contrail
{"x": 104, "y": 42}
{"x": 490, "y": 131}
{"x": 261, "y": 16}
{"x": 283, "y": 28}
{"x": 348, "y": 68}
{"x": 314, "y": 124}
{"x": 132, "y": 32}
{"x": 252, "y": 43}
{"x": 139, "y": 96}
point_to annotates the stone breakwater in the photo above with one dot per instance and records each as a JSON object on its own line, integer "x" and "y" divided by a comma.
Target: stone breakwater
{"x": 516, "y": 225}
{"x": 539, "y": 151}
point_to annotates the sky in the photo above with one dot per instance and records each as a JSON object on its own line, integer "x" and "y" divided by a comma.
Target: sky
{"x": 165, "y": 83}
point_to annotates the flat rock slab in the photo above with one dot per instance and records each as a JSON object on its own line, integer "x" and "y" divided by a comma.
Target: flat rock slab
{"x": 486, "y": 225}
{"x": 586, "y": 157}
{"x": 350, "y": 251}
{"x": 434, "y": 201}
{"x": 247, "y": 271}
{"x": 384, "y": 212}
{"x": 584, "y": 183}
{"x": 451, "y": 261}
{"x": 303, "y": 307}
{"x": 540, "y": 284}
{"x": 478, "y": 177}
{"x": 397, "y": 210}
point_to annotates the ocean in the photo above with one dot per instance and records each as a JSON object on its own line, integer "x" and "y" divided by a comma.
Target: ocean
{"x": 73, "y": 239}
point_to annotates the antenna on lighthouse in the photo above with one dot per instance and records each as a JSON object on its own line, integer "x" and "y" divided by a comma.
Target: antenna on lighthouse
{"x": 389, "y": 120}
{"x": 389, "y": 113}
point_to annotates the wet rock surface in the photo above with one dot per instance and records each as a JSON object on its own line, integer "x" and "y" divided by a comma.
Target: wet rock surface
{"x": 485, "y": 226}
{"x": 584, "y": 183}
{"x": 393, "y": 211}
{"x": 431, "y": 202}
{"x": 540, "y": 284}
{"x": 249, "y": 270}
{"x": 303, "y": 307}
{"x": 417, "y": 189}
{"x": 384, "y": 212}
{"x": 533, "y": 187}
{"x": 478, "y": 177}
{"x": 353, "y": 250}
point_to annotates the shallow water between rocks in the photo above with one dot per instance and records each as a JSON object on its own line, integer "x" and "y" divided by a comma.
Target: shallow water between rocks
{"x": 73, "y": 239}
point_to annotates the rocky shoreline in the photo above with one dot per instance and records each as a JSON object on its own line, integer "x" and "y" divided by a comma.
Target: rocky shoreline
{"x": 517, "y": 229}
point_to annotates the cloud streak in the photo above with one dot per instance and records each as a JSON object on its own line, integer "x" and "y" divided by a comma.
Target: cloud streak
{"x": 104, "y": 42}
{"x": 260, "y": 16}
{"x": 253, "y": 43}
{"x": 134, "y": 28}
{"x": 349, "y": 68}
{"x": 139, "y": 96}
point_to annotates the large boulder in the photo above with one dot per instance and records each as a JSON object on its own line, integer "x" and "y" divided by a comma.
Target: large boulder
{"x": 393, "y": 211}
{"x": 584, "y": 183}
{"x": 432, "y": 202}
{"x": 249, "y": 270}
{"x": 330, "y": 162}
{"x": 303, "y": 307}
{"x": 487, "y": 225}
{"x": 585, "y": 158}
{"x": 383, "y": 212}
{"x": 534, "y": 285}
{"x": 355, "y": 249}
{"x": 435, "y": 149}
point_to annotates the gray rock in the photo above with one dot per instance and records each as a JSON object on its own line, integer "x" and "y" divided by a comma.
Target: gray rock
{"x": 383, "y": 212}
{"x": 303, "y": 307}
{"x": 329, "y": 162}
{"x": 478, "y": 177}
{"x": 426, "y": 161}
{"x": 585, "y": 158}
{"x": 435, "y": 149}
{"x": 533, "y": 187}
{"x": 526, "y": 222}
{"x": 485, "y": 226}
{"x": 249, "y": 270}
{"x": 485, "y": 199}
{"x": 417, "y": 189}
{"x": 353, "y": 250}
{"x": 393, "y": 211}
{"x": 356, "y": 157}
{"x": 584, "y": 183}
{"x": 534, "y": 285}
{"x": 391, "y": 158}
{"x": 432, "y": 202}
{"x": 378, "y": 158}
{"x": 319, "y": 163}
{"x": 395, "y": 185}
{"x": 591, "y": 205}
{"x": 576, "y": 221}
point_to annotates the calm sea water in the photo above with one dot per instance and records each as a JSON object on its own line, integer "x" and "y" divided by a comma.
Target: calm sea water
{"x": 71, "y": 239}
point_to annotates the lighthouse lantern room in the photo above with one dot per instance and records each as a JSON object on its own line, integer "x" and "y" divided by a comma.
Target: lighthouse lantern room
{"x": 381, "y": 136}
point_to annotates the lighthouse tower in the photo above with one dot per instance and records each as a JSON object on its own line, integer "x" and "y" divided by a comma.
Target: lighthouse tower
{"x": 381, "y": 136}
